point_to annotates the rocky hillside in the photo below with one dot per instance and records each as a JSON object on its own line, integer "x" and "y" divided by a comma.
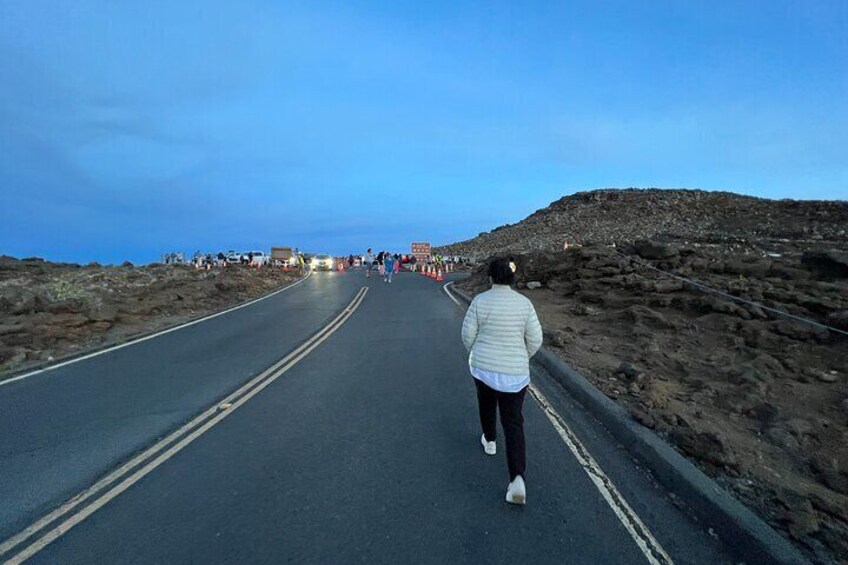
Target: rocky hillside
{"x": 693, "y": 217}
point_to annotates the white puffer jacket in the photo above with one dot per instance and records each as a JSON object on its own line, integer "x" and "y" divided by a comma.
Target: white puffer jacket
{"x": 501, "y": 331}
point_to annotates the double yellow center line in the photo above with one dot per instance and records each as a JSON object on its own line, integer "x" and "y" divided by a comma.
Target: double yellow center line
{"x": 55, "y": 524}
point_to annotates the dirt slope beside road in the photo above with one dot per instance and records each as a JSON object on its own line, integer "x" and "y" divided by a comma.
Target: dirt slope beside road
{"x": 49, "y": 310}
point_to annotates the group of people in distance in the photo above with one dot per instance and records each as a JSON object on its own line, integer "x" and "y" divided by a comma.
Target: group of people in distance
{"x": 387, "y": 264}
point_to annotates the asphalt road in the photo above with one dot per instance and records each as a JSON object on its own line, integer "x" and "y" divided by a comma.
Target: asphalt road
{"x": 366, "y": 450}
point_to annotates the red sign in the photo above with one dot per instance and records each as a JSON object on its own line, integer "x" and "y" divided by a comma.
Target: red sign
{"x": 421, "y": 250}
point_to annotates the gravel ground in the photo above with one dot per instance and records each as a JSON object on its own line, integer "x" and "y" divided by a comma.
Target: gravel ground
{"x": 49, "y": 310}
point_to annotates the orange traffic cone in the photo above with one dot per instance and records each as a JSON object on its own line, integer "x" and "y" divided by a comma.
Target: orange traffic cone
{"x": 439, "y": 277}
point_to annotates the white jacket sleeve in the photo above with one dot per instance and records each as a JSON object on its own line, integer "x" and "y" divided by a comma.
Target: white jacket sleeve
{"x": 469, "y": 326}
{"x": 532, "y": 333}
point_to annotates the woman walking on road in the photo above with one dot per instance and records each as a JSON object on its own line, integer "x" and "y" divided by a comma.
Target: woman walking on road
{"x": 368, "y": 262}
{"x": 389, "y": 268}
{"x": 501, "y": 331}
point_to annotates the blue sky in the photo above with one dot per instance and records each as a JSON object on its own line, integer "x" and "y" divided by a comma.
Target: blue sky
{"x": 128, "y": 129}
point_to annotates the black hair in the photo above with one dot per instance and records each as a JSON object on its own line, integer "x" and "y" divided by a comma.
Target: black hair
{"x": 501, "y": 272}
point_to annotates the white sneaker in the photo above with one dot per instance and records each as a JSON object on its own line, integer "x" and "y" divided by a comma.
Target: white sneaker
{"x": 516, "y": 492}
{"x": 490, "y": 447}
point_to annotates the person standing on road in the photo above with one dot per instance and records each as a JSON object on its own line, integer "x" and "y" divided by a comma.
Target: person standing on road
{"x": 368, "y": 260}
{"x": 502, "y": 332}
{"x": 380, "y": 266}
{"x": 388, "y": 271}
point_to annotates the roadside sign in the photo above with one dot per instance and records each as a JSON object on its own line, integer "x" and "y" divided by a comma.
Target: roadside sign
{"x": 421, "y": 250}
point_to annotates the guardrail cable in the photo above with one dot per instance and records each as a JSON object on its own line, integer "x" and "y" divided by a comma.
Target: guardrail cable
{"x": 710, "y": 290}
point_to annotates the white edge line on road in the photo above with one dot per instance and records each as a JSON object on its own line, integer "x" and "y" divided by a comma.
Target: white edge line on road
{"x": 161, "y": 444}
{"x": 650, "y": 547}
{"x": 151, "y": 336}
{"x": 455, "y": 301}
{"x": 645, "y": 541}
{"x": 287, "y": 363}
{"x": 144, "y": 455}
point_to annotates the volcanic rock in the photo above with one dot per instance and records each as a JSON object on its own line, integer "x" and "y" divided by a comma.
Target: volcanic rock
{"x": 654, "y": 250}
{"x": 827, "y": 264}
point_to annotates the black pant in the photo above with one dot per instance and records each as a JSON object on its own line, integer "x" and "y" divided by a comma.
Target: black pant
{"x": 512, "y": 421}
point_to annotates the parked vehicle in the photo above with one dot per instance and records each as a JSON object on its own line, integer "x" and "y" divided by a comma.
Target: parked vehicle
{"x": 258, "y": 257}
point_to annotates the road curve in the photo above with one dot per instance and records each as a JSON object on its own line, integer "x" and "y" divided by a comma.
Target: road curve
{"x": 367, "y": 450}
{"x": 63, "y": 428}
